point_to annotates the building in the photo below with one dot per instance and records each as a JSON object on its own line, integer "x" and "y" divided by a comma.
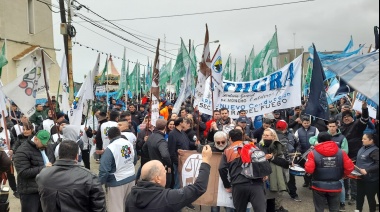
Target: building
{"x": 26, "y": 26}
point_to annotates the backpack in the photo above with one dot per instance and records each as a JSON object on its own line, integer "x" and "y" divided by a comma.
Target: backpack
{"x": 255, "y": 165}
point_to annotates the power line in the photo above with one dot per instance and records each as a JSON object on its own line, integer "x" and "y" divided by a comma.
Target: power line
{"x": 208, "y": 12}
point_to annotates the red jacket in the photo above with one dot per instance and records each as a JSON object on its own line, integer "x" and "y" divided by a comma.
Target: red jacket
{"x": 328, "y": 148}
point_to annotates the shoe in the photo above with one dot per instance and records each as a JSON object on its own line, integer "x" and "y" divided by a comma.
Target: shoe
{"x": 16, "y": 194}
{"x": 305, "y": 185}
{"x": 282, "y": 209}
{"x": 352, "y": 202}
{"x": 342, "y": 207}
{"x": 347, "y": 197}
{"x": 297, "y": 199}
{"x": 190, "y": 206}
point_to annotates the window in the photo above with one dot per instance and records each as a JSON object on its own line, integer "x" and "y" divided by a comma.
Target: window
{"x": 31, "y": 27}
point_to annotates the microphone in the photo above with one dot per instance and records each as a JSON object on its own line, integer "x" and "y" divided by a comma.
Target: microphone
{"x": 194, "y": 138}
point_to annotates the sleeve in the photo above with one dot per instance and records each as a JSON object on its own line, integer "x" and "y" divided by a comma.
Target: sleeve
{"x": 172, "y": 149}
{"x": 89, "y": 132}
{"x": 23, "y": 167}
{"x": 97, "y": 196}
{"x": 16, "y": 144}
{"x": 292, "y": 123}
{"x": 310, "y": 163}
{"x": 145, "y": 150}
{"x": 223, "y": 171}
{"x": 98, "y": 139}
{"x": 179, "y": 198}
{"x": 140, "y": 142}
{"x": 164, "y": 151}
{"x": 280, "y": 162}
{"x": 33, "y": 119}
{"x": 348, "y": 165}
{"x": 105, "y": 165}
{"x": 13, "y": 131}
{"x": 316, "y": 132}
{"x": 375, "y": 157}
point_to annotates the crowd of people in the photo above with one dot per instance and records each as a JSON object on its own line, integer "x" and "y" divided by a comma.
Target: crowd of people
{"x": 338, "y": 158}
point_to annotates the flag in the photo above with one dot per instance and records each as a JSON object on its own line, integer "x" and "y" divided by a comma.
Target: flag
{"x": 235, "y": 72}
{"x": 183, "y": 61}
{"x": 185, "y": 91}
{"x": 343, "y": 89}
{"x": 270, "y": 51}
{"x": 24, "y": 88}
{"x": 65, "y": 106}
{"x": 132, "y": 80}
{"x": 155, "y": 91}
{"x": 3, "y": 58}
{"x": 349, "y": 45}
{"x": 148, "y": 78}
{"x": 85, "y": 93}
{"x": 165, "y": 75}
{"x": 377, "y": 39}
{"x": 123, "y": 79}
{"x": 317, "y": 102}
{"x": 306, "y": 85}
{"x": 217, "y": 76}
{"x": 249, "y": 65}
{"x": 104, "y": 73}
{"x": 227, "y": 69}
{"x": 204, "y": 70}
{"x": 331, "y": 91}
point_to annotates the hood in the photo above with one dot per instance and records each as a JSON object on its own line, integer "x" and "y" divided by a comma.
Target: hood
{"x": 327, "y": 148}
{"x": 143, "y": 194}
{"x": 71, "y": 132}
{"x": 337, "y": 133}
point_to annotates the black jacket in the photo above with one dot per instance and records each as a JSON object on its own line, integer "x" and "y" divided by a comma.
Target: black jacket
{"x": 177, "y": 140}
{"x": 68, "y": 187}
{"x": 140, "y": 143}
{"x": 150, "y": 197}
{"x": 28, "y": 162}
{"x": 157, "y": 148}
{"x": 20, "y": 139}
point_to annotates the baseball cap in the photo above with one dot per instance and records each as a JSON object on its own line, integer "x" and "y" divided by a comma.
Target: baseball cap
{"x": 242, "y": 120}
{"x": 43, "y": 136}
{"x": 276, "y": 112}
{"x": 281, "y": 125}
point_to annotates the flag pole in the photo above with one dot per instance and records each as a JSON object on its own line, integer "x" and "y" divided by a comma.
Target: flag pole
{"x": 155, "y": 74}
{"x": 213, "y": 87}
{"x": 6, "y": 130}
{"x": 47, "y": 93}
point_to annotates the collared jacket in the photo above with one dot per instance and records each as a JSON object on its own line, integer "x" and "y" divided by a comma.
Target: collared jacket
{"x": 339, "y": 139}
{"x": 67, "y": 186}
{"x": 157, "y": 148}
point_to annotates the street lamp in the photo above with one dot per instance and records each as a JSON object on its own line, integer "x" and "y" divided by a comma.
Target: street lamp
{"x": 215, "y": 41}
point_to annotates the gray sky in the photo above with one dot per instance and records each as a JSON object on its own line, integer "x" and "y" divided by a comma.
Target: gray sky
{"x": 327, "y": 23}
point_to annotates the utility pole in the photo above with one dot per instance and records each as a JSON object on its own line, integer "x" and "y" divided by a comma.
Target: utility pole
{"x": 64, "y": 32}
{"x": 70, "y": 55}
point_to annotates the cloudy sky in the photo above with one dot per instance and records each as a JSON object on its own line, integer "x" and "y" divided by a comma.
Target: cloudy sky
{"x": 327, "y": 23}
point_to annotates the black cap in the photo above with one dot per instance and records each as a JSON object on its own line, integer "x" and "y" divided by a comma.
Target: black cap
{"x": 324, "y": 136}
{"x": 242, "y": 120}
{"x": 276, "y": 112}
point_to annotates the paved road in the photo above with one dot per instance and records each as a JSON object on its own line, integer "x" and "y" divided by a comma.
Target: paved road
{"x": 304, "y": 193}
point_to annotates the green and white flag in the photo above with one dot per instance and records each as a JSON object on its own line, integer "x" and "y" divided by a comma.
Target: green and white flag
{"x": 103, "y": 77}
{"x": 263, "y": 62}
{"x": 3, "y": 59}
{"x": 227, "y": 69}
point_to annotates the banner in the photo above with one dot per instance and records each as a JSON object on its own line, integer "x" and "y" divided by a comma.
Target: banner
{"x": 372, "y": 107}
{"x": 188, "y": 166}
{"x": 279, "y": 90}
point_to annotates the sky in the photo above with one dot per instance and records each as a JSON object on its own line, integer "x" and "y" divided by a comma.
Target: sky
{"x": 326, "y": 23}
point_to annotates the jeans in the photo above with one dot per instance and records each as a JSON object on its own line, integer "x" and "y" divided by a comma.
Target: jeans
{"x": 343, "y": 192}
{"x": 319, "y": 199}
{"x": 176, "y": 177}
{"x": 217, "y": 209}
{"x": 253, "y": 192}
{"x": 292, "y": 186}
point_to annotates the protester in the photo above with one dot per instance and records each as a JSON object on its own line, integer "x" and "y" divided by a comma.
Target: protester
{"x": 295, "y": 121}
{"x": 117, "y": 170}
{"x": 258, "y": 133}
{"x": 368, "y": 165}
{"x": 136, "y": 115}
{"x": 328, "y": 164}
{"x": 211, "y": 127}
{"x": 67, "y": 187}
{"x": 150, "y": 194}
{"x": 125, "y": 130}
{"x": 39, "y": 116}
{"x": 102, "y": 139}
{"x": 29, "y": 160}
{"x": 243, "y": 190}
{"x": 225, "y": 123}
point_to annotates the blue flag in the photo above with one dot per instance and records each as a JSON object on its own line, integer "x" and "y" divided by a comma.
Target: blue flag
{"x": 317, "y": 103}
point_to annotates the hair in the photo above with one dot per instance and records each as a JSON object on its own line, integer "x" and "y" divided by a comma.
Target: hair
{"x": 332, "y": 121}
{"x": 114, "y": 115}
{"x": 113, "y": 132}
{"x": 167, "y": 124}
{"x": 324, "y": 136}
{"x": 124, "y": 114}
{"x": 305, "y": 118}
{"x": 242, "y": 111}
{"x": 223, "y": 108}
{"x": 235, "y": 135}
{"x": 297, "y": 108}
{"x": 220, "y": 134}
{"x": 267, "y": 121}
{"x": 161, "y": 124}
{"x": 68, "y": 150}
{"x": 370, "y": 136}
{"x": 178, "y": 121}
{"x": 216, "y": 111}
{"x": 274, "y": 134}
{"x": 29, "y": 126}
{"x": 186, "y": 110}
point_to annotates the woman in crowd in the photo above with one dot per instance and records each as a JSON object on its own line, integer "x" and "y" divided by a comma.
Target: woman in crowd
{"x": 169, "y": 127}
{"x": 367, "y": 162}
{"x": 28, "y": 132}
{"x": 276, "y": 183}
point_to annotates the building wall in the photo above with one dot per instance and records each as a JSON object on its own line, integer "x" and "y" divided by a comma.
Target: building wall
{"x": 14, "y": 28}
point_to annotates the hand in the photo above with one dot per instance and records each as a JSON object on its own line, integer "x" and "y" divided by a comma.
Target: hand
{"x": 48, "y": 164}
{"x": 10, "y": 152}
{"x": 146, "y": 138}
{"x": 85, "y": 128}
{"x": 364, "y": 105}
{"x": 228, "y": 190}
{"x": 292, "y": 164}
{"x": 180, "y": 152}
{"x": 298, "y": 120}
{"x": 254, "y": 140}
{"x": 197, "y": 142}
{"x": 213, "y": 125}
{"x": 206, "y": 154}
{"x": 169, "y": 171}
{"x": 99, "y": 152}
{"x": 268, "y": 156}
{"x": 265, "y": 178}
{"x": 363, "y": 171}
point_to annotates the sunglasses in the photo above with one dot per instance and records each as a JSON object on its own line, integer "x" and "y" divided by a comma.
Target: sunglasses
{"x": 220, "y": 142}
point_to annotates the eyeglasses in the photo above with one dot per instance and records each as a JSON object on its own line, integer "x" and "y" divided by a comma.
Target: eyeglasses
{"x": 220, "y": 142}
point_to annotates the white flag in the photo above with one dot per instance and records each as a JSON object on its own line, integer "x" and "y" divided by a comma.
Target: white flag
{"x": 217, "y": 76}
{"x": 65, "y": 106}
{"x": 24, "y": 88}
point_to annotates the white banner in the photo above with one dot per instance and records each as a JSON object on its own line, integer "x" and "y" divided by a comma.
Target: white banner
{"x": 372, "y": 107}
{"x": 100, "y": 89}
{"x": 279, "y": 90}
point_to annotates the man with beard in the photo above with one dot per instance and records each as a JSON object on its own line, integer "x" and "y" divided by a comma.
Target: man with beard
{"x": 225, "y": 123}
{"x": 209, "y": 129}
{"x": 295, "y": 122}
{"x": 136, "y": 115}
{"x": 353, "y": 131}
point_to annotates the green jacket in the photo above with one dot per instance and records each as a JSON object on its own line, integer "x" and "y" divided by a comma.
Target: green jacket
{"x": 38, "y": 117}
{"x": 338, "y": 136}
